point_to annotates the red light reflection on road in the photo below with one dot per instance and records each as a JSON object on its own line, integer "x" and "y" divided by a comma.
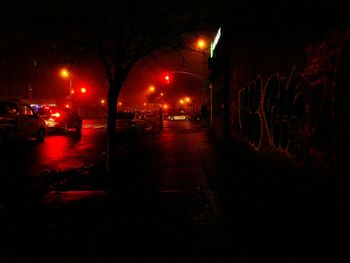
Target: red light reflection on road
{"x": 57, "y": 147}
{"x": 61, "y": 197}
{"x": 60, "y": 152}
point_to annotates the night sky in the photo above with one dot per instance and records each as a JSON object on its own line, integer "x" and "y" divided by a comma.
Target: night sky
{"x": 28, "y": 57}
{"x": 28, "y": 61}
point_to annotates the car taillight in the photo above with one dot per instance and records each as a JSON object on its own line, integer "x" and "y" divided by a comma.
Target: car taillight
{"x": 56, "y": 114}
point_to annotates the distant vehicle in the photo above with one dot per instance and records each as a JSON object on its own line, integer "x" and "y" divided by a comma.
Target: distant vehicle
{"x": 124, "y": 121}
{"x": 60, "y": 119}
{"x": 139, "y": 121}
{"x": 197, "y": 117}
{"x": 18, "y": 120}
{"x": 179, "y": 117}
{"x": 148, "y": 115}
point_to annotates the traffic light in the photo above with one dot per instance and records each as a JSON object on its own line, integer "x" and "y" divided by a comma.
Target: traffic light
{"x": 167, "y": 78}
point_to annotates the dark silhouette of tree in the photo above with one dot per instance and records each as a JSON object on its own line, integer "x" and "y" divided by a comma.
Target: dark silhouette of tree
{"x": 118, "y": 34}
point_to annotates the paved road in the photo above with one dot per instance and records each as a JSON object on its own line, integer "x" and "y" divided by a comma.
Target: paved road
{"x": 21, "y": 161}
{"x": 58, "y": 151}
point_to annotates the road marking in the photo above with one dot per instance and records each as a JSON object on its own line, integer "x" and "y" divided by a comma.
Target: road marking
{"x": 94, "y": 126}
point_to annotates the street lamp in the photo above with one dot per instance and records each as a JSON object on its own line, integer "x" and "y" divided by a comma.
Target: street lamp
{"x": 66, "y": 74}
{"x": 152, "y": 88}
{"x": 201, "y": 44}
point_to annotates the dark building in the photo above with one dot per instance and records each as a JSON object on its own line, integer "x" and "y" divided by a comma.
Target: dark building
{"x": 280, "y": 85}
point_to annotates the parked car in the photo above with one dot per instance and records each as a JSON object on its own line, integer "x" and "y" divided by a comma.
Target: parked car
{"x": 130, "y": 122}
{"x": 60, "y": 119}
{"x": 124, "y": 121}
{"x": 18, "y": 120}
{"x": 179, "y": 117}
{"x": 138, "y": 123}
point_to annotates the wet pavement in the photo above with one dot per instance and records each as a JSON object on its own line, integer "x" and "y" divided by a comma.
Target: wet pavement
{"x": 179, "y": 196}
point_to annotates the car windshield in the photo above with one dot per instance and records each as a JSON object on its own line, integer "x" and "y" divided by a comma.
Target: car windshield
{"x": 48, "y": 111}
{"x": 43, "y": 111}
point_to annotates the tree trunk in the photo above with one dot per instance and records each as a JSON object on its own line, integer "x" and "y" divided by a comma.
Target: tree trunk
{"x": 113, "y": 94}
{"x": 111, "y": 125}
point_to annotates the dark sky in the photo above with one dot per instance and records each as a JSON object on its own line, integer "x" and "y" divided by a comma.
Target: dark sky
{"x": 27, "y": 61}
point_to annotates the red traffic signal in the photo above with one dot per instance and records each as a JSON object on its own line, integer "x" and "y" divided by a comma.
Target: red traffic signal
{"x": 167, "y": 77}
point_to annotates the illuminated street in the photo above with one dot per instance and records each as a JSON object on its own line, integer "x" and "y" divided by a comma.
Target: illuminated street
{"x": 174, "y": 131}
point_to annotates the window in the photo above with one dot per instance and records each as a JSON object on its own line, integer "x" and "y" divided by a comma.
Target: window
{"x": 27, "y": 110}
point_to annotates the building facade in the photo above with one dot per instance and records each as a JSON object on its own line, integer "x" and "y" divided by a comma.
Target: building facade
{"x": 283, "y": 95}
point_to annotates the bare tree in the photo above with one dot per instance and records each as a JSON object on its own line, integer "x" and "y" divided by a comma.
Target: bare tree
{"x": 119, "y": 33}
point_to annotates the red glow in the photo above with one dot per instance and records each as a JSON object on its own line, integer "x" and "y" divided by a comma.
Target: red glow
{"x": 67, "y": 105}
{"x": 62, "y": 197}
{"x": 167, "y": 77}
{"x": 55, "y": 151}
{"x": 83, "y": 90}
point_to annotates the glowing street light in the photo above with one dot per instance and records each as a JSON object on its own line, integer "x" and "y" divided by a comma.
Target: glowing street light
{"x": 66, "y": 74}
{"x": 152, "y": 88}
{"x": 201, "y": 44}
{"x": 103, "y": 102}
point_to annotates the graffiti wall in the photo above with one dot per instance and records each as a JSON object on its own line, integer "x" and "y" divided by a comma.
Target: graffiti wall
{"x": 294, "y": 114}
{"x": 274, "y": 109}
